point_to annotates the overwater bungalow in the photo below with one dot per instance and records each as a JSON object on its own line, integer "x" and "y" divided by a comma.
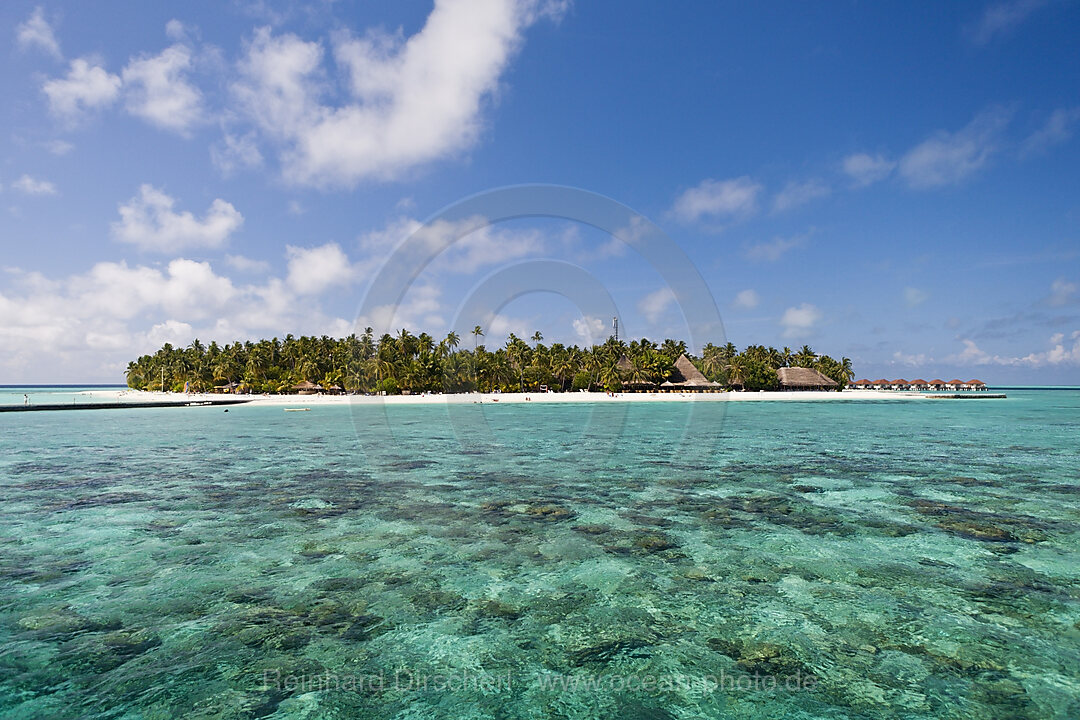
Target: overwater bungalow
{"x": 954, "y": 384}
{"x": 977, "y": 385}
{"x": 936, "y": 385}
{"x": 900, "y": 384}
{"x": 796, "y": 378}
{"x": 882, "y": 384}
{"x": 863, "y": 384}
{"x": 919, "y": 384}
{"x": 684, "y": 376}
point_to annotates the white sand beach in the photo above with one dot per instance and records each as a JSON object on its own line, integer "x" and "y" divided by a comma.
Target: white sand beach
{"x": 134, "y": 396}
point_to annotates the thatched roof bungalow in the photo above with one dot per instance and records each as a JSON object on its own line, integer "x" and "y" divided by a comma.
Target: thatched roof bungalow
{"x": 918, "y": 384}
{"x": 975, "y": 385}
{"x": 307, "y": 388}
{"x": 684, "y": 376}
{"x": 797, "y": 378}
{"x": 863, "y": 384}
{"x": 625, "y": 368}
{"x": 900, "y": 384}
{"x": 936, "y": 384}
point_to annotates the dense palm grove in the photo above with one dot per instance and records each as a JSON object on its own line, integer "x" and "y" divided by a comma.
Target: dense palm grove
{"x": 419, "y": 363}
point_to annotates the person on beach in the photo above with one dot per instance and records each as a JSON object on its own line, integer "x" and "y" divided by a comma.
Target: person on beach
{"x": 26, "y": 400}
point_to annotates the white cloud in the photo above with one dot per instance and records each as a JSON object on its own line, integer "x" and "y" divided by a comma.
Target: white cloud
{"x": 236, "y": 152}
{"x": 413, "y": 100}
{"x": 87, "y": 87}
{"x": 800, "y": 321}
{"x": 653, "y": 305}
{"x": 747, "y": 299}
{"x": 1001, "y": 18}
{"x": 1060, "y": 353}
{"x": 718, "y": 198}
{"x": 420, "y": 308}
{"x": 89, "y": 325}
{"x": 771, "y": 251}
{"x": 177, "y": 30}
{"x": 1057, "y": 130}
{"x": 866, "y": 169}
{"x": 796, "y": 194}
{"x": 37, "y": 33}
{"x": 947, "y": 158}
{"x": 916, "y": 360}
{"x": 590, "y": 329}
{"x": 914, "y": 296}
{"x": 149, "y": 222}
{"x": 157, "y": 90}
{"x": 30, "y": 186}
{"x": 462, "y": 246}
{"x": 1061, "y": 291}
{"x": 247, "y": 265}
{"x": 315, "y": 270}
{"x": 59, "y": 147}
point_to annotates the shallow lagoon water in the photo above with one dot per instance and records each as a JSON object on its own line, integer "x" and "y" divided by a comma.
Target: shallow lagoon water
{"x": 800, "y": 560}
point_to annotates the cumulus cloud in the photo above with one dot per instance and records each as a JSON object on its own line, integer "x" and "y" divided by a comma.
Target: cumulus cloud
{"x": 1001, "y": 18}
{"x": 411, "y": 100}
{"x": 1061, "y": 291}
{"x": 158, "y": 91}
{"x": 914, "y": 360}
{"x": 59, "y": 147}
{"x": 773, "y": 250}
{"x": 86, "y": 87}
{"x": 747, "y": 299}
{"x": 948, "y": 158}
{"x": 914, "y": 296}
{"x": 30, "y": 186}
{"x": 800, "y": 321}
{"x": 460, "y": 246}
{"x": 149, "y": 222}
{"x": 590, "y": 328}
{"x": 1058, "y": 129}
{"x": 91, "y": 324}
{"x": 864, "y": 169}
{"x": 718, "y": 199}
{"x": 36, "y": 32}
{"x": 656, "y": 303}
{"x": 315, "y": 270}
{"x": 1061, "y": 352}
{"x": 247, "y": 265}
{"x": 796, "y": 194}
{"x": 236, "y": 152}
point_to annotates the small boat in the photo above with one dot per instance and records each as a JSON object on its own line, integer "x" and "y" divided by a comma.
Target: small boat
{"x": 297, "y": 409}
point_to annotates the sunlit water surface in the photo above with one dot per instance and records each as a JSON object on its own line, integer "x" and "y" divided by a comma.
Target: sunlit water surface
{"x": 771, "y": 560}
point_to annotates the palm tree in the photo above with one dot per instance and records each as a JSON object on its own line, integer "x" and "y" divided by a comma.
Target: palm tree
{"x": 537, "y": 337}
{"x": 477, "y": 332}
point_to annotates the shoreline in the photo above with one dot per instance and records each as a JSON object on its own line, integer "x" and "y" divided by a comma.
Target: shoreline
{"x": 135, "y": 397}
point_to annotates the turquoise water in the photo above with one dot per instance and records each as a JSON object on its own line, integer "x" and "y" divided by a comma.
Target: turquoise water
{"x": 38, "y": 395}
{"x": 802, "y": 560}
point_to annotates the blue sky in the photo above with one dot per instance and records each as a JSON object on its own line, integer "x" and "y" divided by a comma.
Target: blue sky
{"x": 891, "y": 182}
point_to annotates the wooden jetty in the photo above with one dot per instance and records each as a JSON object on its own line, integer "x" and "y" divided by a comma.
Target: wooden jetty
{"x": 49, "y": 407}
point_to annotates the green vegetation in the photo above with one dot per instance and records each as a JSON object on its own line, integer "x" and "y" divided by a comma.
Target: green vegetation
{"x": 417, "y": 363}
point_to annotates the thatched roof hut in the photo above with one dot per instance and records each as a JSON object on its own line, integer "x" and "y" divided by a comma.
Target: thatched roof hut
{"x": 797, "y": 378}
{"x": 307, "y": 387}
{"x": 684, "y": 376}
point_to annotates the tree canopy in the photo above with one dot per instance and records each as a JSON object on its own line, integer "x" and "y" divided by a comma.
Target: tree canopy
{"x": 418, "y": 363}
